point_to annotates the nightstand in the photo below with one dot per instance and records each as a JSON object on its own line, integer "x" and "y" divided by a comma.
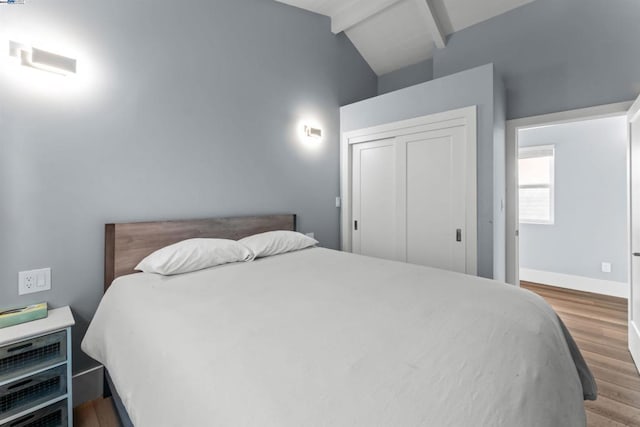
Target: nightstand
{"x": 35, "y": 372}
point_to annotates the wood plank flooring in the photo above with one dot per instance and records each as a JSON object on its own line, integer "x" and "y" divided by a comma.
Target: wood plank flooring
{"x": 598, "y": 324}
{"x": 97, "y": 413}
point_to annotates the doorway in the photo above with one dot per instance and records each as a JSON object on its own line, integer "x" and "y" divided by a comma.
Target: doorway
{"x": 516, "y": 128}
{"x": 572, "y": 194}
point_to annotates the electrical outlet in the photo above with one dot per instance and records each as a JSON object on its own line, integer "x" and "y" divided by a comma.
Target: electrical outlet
{"x": 33, "y": 281}
{"x": 606, "y": 267}
{"x": 312, "y": 235}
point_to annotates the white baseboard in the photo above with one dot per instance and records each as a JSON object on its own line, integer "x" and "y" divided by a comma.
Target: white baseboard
{"x": 578, "y": 283}
{"x": 88, "y": 385}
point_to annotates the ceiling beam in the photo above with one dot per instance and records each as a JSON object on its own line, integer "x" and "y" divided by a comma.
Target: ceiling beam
{"x": 429, "y": 15}
{"x": 357, "y": 11}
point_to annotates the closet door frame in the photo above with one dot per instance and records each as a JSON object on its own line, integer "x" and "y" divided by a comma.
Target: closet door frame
{"x": 464, "y": 117}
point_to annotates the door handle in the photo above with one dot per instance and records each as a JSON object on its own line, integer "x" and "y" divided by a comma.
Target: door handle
{"x": 459, "y": 235}
{"x": 636, "y": 254}
{"x": 355, "y": 225}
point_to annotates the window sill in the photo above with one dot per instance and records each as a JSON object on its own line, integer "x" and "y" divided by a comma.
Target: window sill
{"x": 537, "y": 222}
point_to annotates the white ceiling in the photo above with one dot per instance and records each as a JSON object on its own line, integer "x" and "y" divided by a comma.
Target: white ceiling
{"x": 391, "y": 34}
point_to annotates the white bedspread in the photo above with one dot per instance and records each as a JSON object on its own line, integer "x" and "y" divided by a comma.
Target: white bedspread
{"x": 325, "y": 338}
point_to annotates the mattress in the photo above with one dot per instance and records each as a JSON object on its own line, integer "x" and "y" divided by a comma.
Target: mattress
{"x": 325, "y": 338}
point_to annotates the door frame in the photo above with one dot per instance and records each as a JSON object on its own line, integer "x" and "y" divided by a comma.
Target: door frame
{"x": 463, "y": 117}
{"x": 513, "y": 128}
{"x": 633, "y": 331}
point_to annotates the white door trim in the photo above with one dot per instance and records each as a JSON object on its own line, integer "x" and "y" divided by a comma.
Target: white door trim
{"x": 513, "y": 127}
{"x": 633, "y": 110}
{"x": 466, "y": 117}
{"x": 633, "y": 332}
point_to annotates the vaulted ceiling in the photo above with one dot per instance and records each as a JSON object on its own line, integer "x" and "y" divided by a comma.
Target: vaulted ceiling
{"x": 391, "y": 34}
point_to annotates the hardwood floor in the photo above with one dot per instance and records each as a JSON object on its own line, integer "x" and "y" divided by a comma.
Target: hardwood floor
{"x": 97, "y": 413}
{"x": 598, "y": 324}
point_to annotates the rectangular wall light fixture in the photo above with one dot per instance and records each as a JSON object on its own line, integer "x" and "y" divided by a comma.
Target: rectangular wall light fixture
{"x": 312, "y": 132}
{"x": 41, "y": 59}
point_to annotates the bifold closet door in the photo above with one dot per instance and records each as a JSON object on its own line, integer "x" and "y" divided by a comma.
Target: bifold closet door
{"x": 375, "y": 198}
{"x": 435, "y": 198}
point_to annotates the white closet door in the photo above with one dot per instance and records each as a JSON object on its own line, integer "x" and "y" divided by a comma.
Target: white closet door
{"x": 375, "y": 195}
{"x": 410, "y": 187}
{"x": 435, "y": 208}
{"x": 409, "y": 198}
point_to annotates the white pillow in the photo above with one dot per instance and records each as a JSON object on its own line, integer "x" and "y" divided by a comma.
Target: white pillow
{"x": 193, "y": 255}
{"x": 277, "y": 242}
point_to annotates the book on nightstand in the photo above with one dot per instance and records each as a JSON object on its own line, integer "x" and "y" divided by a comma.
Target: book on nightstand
{"x": 15, "y": 316}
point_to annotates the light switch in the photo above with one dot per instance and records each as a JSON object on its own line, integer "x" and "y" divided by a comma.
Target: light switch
{"x": 606, "y": 267}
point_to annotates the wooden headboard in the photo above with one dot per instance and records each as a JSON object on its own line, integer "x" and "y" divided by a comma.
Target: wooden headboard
{"x": 129, "y": 243}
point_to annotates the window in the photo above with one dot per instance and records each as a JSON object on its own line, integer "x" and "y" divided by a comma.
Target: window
{"x": 536, "y": 165}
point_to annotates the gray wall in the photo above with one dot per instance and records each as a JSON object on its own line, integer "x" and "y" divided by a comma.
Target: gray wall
{"x": 472, "y": 87}
{"x": 590, "y": 201}
{"x": 178, "y": 111}
{"x": 554, "y": 55}
{"x": 407, "y": 76}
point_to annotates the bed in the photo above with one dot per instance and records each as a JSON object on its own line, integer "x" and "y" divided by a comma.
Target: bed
{"x": 319, "y": 337}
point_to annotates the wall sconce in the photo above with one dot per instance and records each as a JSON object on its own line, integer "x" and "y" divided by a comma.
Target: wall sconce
{"x": 312, "y": 132}
{"x": 42, "y": 60}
